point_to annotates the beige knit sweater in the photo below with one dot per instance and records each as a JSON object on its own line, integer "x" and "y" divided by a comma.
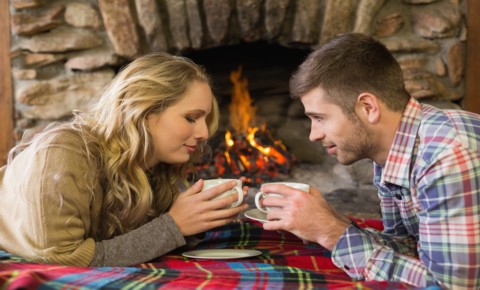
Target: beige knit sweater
{"x": 47, "y": 212}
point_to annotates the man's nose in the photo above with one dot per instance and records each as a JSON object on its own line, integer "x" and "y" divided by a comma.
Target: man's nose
{"x": 316, "y": 134}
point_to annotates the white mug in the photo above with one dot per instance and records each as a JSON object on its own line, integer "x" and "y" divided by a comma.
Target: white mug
{"x": 260, "y": 195}
{"x": 209, "y": 183}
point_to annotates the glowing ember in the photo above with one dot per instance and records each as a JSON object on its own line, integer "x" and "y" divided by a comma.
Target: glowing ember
{"x": 246, "y": 151}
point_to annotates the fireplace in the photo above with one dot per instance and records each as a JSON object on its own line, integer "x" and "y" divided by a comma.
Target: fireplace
{"x": 266, "y": 67}
{"x": 243, "y": 76}
{"x": 66, "y": 51}
{"x": 250, "y": 81}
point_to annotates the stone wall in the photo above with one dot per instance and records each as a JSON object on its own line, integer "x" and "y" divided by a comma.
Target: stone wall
{"x": 63, "y": 52}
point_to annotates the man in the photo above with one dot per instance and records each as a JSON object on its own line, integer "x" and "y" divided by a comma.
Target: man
{"x": 426, "y": 168}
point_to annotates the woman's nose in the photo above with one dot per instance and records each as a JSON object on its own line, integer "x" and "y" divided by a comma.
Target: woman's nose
{"x": 201, "y": 131}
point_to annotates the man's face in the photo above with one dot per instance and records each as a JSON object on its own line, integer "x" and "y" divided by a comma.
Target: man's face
{"x": 345, "y": 137}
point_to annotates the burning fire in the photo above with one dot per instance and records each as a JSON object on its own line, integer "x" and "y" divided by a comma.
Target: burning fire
{"x": 247, "y": 150}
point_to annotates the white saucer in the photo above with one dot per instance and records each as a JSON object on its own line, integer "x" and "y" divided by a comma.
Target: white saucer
{"x": 257, "y": 215}
{"x": 220, "y": 254}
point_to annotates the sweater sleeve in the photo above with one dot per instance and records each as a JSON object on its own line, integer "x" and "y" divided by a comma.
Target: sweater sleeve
{"x": 46, "y": 213}
{"x": 145, "y": 243}
{"x": 47, "y": 195}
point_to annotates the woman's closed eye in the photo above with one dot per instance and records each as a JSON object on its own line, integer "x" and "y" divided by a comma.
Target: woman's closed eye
{"x": 193, "y": 116}
{"x": 191, "y": 119}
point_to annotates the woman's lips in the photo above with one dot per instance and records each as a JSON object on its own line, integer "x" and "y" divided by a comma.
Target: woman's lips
{"x": 190, "y": 148}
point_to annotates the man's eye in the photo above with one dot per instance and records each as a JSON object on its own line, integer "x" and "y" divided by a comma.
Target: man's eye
{"x": 315, "y": 118}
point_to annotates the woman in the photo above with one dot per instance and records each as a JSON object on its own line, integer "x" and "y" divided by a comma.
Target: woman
{"x": 103, "y": 189}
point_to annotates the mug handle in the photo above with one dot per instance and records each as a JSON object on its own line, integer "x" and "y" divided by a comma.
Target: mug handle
{"x": 257, "y": 201}
{"x": 240, "y": 196}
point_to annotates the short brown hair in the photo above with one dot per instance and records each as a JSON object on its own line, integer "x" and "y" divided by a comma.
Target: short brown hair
{"x": 348, "y": 65}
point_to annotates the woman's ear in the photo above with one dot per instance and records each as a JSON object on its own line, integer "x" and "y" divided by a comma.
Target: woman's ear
{"x": 369, "y": 107}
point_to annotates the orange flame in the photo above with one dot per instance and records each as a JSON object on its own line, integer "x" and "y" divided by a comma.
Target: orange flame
{"x": 242, "y": 118}
{"x": 242, "y": 112}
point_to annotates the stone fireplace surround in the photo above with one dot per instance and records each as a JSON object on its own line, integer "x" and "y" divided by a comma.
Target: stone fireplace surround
{"x": 68, "y": 50}
{"x": 65, "y": 51}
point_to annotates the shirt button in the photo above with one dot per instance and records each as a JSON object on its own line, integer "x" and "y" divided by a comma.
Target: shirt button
{"x": 398, "y": 196}
{"x": 346, "y": 267}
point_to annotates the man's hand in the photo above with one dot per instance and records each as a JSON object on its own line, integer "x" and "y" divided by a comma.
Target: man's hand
{"x": 306, "y": 215}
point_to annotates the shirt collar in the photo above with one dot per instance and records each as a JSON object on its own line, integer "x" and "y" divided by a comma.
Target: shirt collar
{"x": 397, "y": 166}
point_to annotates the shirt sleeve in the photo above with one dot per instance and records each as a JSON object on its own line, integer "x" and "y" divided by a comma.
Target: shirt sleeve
{"x": 370, "y": 255}
{"x": 448, "y": 246}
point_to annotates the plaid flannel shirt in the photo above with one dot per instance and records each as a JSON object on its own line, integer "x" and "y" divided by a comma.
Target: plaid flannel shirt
{"x": 429, "y": 191}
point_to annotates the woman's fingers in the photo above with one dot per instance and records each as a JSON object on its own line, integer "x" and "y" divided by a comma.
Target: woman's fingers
{"x": 223, "y": 216}
{"x": 194, "y": 189}
{"x": 214, "y": 192}
{"x": 206, "y": 220}
{"x": 196, "y": 211}
{"x": 228, "y": 212}
{"x": 245, "y": 191}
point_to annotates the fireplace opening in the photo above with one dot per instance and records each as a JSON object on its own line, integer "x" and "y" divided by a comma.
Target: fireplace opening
{"x": 267, "y": 67}
{"x": 250, "y": 81}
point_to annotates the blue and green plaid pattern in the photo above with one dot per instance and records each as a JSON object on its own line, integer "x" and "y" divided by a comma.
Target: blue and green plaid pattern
{"x": 429, "y": 190}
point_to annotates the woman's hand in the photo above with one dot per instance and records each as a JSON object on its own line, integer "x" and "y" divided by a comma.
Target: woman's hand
{"x": 195, "y": 211}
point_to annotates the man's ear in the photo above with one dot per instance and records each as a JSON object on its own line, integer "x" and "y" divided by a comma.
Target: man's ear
{"x": 369, "y": 107}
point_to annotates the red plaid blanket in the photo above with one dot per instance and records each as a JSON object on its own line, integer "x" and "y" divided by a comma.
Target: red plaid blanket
{"x": 285, "y": 263}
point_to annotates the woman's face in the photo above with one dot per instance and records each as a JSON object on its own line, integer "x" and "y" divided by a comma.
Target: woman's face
{"x": 179, "y": 130}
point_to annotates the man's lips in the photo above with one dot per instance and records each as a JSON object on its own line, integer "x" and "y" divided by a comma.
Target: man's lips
{"x": 331, "y": 149}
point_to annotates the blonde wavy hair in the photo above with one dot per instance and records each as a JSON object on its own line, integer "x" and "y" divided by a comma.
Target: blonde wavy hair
{"x": 117, "y": 140}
